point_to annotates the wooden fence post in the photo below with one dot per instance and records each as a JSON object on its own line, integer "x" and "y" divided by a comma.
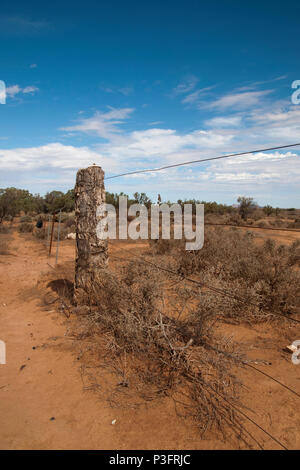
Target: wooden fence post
{"x": 91, "y": 252}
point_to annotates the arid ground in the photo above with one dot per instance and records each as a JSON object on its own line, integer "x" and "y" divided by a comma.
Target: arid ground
{"x": 46, "y": 402}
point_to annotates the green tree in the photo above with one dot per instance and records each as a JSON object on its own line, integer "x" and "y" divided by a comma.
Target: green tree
{"x": 38, "y": 204}
{"x": 268, "y": 210}
{"x": 13, "y": 200}
{"x": 246, "y": 206}
{"x": 142, "y": 198}
{"x": 69, "y": 198}
{"x": 55, "y": 200}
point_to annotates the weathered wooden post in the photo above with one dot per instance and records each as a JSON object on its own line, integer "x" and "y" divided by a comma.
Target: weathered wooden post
{"x": 91, "y": 252}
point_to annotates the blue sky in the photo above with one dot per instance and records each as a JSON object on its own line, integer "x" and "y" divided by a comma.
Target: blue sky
{"x": 131, "y": 85}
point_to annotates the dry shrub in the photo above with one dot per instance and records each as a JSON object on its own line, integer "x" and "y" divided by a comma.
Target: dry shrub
{"x": 235, "y": 219}
{"x": 64, "y": 216}
{"x": 26, "y": 227}
{"x": 262, "y": 224}
{"x": 25, "y": 218}
{"x": 40, "y": 233}
{"x": 257, "y": 214}
{"x": 44, "y": 217}
{"x": 265, "y": 275}
{"x": 4, "y": 229}
{"x": 160, "y": 347}
{"x": 62, "y": 234}
{"x": 69, "y": 222}
{"x": 70, "y": 229}
{"x": 278, "y": 222}
{"x": 162, "y": 247}
{"x": 295, "y": 224}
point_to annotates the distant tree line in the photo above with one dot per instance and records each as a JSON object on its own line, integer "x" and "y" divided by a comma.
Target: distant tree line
{"x": 142, "y": 198}
{"x": 13, "y": 201}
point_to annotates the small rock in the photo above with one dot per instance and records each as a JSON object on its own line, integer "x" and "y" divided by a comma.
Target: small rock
{"x": 52, "y": 418}
{"x": 22, "y": 367}
{"x": 71, "y": 236}
{"x": 292, "y": 348}
{"x": 114, "y": 421}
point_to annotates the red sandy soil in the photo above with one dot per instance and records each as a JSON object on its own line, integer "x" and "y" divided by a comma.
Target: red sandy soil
{"x": 50, "y": 385}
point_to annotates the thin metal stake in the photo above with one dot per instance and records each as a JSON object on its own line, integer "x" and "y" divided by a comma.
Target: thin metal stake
{"x": 51, "y": 237}
{"x": 58, "y": 233}
{"x": 48, "y": 233}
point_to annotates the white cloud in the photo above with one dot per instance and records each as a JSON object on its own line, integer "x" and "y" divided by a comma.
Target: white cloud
{"x": 266, "y": 176}
{"x": 14, "y": 90}
{"x": 105, "y": 125}
{"x": 156, "y": 147}
{"x": 272, "y": 167}
{"x": 49, "y": 157}
{"x": 281, "y": 123}
{"x": 224, "y": 121}
{"x": 193, "y": 98}
{"x": 186, "y": 85}
{"x": 155, "y": 123}
{"x": 253, "y": 85}
{"x": 30, "y": 89}
{"x": 126, "y": 91}
{"x": 242, "y": 100}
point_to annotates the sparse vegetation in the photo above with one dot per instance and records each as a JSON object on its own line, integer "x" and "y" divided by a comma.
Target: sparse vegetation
{"x": 268, "y": 210}
{"x": 26, "y": 227}
{"x": 246, "y": 206}
{"x": 26, "y": 218}
{"x": 4, "y": 229}
{"x": 295, "y": 224}
{"x": 156, "y": 331}
{"x": 158, "y": 348}
{"x": 63, "y": 233}
{"x": 263, "y": 275}
{"x": 40, "y": 233}
{"x": 70, "y": 223}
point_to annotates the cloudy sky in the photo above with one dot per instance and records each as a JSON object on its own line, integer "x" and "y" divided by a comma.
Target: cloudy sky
{"x": 139, "y": 84}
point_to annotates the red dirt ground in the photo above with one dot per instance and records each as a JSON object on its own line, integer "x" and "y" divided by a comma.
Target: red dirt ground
{"x": 50, "y": 384}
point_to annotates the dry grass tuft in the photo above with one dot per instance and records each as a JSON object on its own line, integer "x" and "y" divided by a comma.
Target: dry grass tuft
{"x": 149, "y": 330}
{"x": 26, "y": 227}
{"x": 266, "y": 275}
{"x": 4, "y": 229}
